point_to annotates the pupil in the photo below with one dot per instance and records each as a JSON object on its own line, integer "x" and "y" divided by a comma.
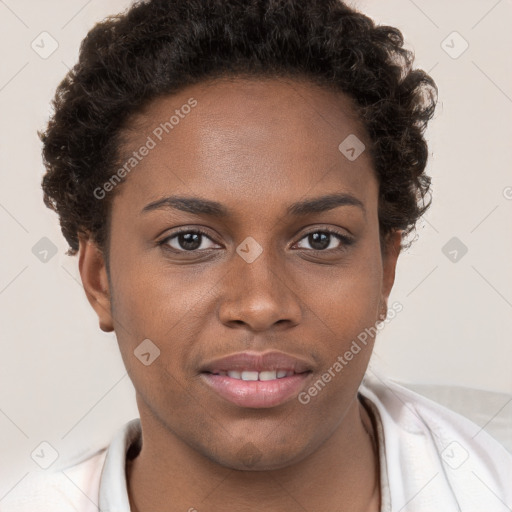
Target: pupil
{"x": 319, "y": 240}
{"x": 189, "y": 241}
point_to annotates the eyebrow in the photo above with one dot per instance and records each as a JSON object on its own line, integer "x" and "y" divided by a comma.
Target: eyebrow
{"x": 200, "y": 206}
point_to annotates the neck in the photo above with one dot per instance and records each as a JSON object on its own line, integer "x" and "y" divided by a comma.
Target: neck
{"x": 342, "y": 474}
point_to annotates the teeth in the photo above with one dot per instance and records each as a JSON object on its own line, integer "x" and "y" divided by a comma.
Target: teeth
{"x": 268, "y": 375}
{"x": 249, "y": 375}
{"x": 252, "y": 375}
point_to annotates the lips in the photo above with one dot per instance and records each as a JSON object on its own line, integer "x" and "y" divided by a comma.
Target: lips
{"x": 254, "y": 375}
{"x": 256, "y": 380}
{"x": 258, "y": 362}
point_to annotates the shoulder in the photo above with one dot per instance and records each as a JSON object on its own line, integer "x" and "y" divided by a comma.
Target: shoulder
{"x": 435, "y": 456}
{"x": 73, "y": 488}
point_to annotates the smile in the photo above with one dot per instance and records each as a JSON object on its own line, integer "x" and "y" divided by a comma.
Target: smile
{"x": 253, "y": 375}
{"x": 254, "y": 389}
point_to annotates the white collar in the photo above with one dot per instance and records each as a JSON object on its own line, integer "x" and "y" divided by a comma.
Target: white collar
{"x": 113, "y": 492}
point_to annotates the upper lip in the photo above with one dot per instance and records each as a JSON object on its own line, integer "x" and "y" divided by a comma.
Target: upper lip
{"x": 258, "y": 361}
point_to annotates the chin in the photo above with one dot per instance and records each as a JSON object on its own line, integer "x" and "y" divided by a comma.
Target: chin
{"x": 250, "y": 457}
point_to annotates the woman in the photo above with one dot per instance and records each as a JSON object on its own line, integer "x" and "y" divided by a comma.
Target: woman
{"x": 238, "y": 179}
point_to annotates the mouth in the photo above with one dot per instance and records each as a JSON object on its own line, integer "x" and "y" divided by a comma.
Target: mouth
{"x": 257, "y": 380}
{"x": 249, "y": 375}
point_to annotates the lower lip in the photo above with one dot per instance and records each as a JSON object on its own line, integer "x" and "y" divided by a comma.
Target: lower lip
{"x": 256, "y": 393}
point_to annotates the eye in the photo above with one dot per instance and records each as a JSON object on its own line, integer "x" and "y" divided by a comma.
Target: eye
{"x": 326, "y": 239}
{"x": 187, "y": 240}
{"x": 193, "y": 240}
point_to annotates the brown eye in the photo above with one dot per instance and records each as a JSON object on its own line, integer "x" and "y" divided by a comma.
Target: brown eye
{"x": 322, "y": 240}
{"x": 188, "y": 240}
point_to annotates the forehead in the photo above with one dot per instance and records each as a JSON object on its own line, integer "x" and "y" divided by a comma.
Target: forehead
{"x": 245, "y": 139}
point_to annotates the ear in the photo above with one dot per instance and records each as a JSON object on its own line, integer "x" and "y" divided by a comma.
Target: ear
{"x": 390, "y": 251}
{"x": 93, "y": 272}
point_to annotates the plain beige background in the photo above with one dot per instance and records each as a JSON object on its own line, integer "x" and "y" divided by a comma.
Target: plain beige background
{"x": 62, "y": 379}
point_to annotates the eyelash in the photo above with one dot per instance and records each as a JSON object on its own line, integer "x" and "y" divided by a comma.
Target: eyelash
{"x": 346, "y": 241}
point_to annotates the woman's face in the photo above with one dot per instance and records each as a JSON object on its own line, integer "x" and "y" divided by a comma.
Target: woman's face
{"x": 261, "y": 277}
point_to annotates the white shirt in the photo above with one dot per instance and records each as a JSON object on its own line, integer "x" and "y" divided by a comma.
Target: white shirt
{"x": 431, "y": 458}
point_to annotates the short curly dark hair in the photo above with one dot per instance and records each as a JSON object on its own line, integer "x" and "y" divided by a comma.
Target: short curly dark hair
{"x": 159, "y": 47}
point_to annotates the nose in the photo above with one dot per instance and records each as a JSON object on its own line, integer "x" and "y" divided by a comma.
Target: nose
{"x": 260, "y": 295}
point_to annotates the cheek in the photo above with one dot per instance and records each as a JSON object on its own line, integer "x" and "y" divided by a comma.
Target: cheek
{"x": 346, "y": 299}
{"x": 152, "y": 295}
{"x": 345, "y": 314}
{"x": 162, "y": 307}
{"x": 168, "y": 304}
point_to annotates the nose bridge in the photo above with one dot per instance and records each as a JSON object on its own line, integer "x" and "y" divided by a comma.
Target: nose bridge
{"x": 258, "y": 268}
{"x": 257, "y": 292}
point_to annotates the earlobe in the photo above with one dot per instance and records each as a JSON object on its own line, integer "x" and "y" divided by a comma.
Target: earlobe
{"x": 93, "y": 273}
